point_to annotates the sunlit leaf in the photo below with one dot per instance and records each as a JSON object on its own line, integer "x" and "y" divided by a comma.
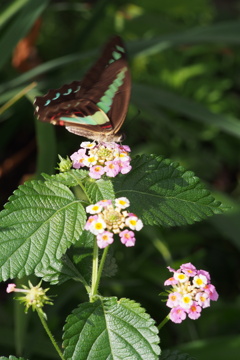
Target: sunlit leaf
{"x": 162, "y": 192}
{"x": 110, "y": 329}
{"x": 39, "y": 223}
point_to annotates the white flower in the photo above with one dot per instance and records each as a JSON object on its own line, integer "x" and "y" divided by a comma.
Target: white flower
{"x": 97, "y": 226}
{"x": 200, "y": 281}
{"x": 122, "y": 203}
{"x": 94, "y": 209}
{"x": 180, "y": 277}
{"x": 90, "y": 160}
{"x": 88, "y": 144}
{"x": 134, "y": 223}
{"x": 186, "y": 301}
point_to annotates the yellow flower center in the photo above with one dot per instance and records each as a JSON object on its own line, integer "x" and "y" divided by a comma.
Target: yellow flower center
{"x": 123, "y": 154}
{"x": 186, "y": 299}
{"x": 181, "y": 276}
{"x": 133, "y": 222}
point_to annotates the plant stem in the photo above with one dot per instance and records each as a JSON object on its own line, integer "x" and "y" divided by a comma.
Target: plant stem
{"x": 94, "y": 270}
{"x": 17, "y": 97}
{"x": 102, "y": 262}
{"x": 45, "y": 325}
{"x": 165, "y": 320}
{"x": 82, "y": 187}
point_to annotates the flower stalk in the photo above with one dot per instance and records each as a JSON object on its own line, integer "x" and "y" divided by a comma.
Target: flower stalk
{"x": 50, "y": 335}
{"x": 35, "y": 297}
{"x": 162, "y": 323}
{"x": 101, "y": 266}
{"x": 94, "y": 287}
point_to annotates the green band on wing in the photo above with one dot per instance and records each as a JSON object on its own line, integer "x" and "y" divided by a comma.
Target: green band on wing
{"x": 98, "y": 118}
{"x": 106, "y": 100}
{"x": 116, "y": 55}
{"x": 119, "y": 48}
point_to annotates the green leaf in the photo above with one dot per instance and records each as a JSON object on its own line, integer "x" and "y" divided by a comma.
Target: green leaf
{"x": 110, "y": 267}
{"x": 11, "y": 357}
{"x": 62, "y": 270}
{"x": 58, "y": 271}
{"x": 69, "y": 178}
{"x": 96, "y": 190}
{"x": 110, "y": 329}
{"x": 39, "y": 223}
{"x": 163, "y": 193}
{"x": 175, "y": 355}
{"x": 228, "y": 226}
{"x": 11, "y": 10}
{"x": 226, "y": 32}
{"x": 99, "y": 190}
{"x": 222, "y": 32}
{"x": 151, "y": 98}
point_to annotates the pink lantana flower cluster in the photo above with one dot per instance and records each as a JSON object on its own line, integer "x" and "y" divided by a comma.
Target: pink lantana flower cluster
{"x": 191, "y": 292}
{"x": 102, "y": 158}
{"x": 108, "y": 218}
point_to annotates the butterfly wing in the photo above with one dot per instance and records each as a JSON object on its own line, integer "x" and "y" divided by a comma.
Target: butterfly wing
{"x": 97, "y": 106}
{"x": 114, "y": 50}
{"x": 56, "y": 101}
{"x": 111, "y": 103}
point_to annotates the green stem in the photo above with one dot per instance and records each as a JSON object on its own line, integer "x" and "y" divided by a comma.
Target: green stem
{"x": 97, "y": 272}
{"x": 45, "y": 325}
{"x": 165, "y": 320}
{"x": 82, "y": 187}
{"x": 94, "y": 270}
{"x": 102, "y": 262}
{"x": 163, "y": 249}
{"x": 17, "y": 97}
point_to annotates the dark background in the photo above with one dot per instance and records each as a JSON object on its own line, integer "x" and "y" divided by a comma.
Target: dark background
{"x": 184, "y": 58}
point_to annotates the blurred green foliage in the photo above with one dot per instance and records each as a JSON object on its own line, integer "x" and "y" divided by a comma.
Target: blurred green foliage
{"x": 185, "y": 60}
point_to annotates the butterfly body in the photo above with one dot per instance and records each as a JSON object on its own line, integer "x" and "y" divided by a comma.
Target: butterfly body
{"x": 95, "y": 107}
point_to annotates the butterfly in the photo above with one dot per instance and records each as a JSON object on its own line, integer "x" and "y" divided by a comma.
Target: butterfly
{"x": 95, "y": 107}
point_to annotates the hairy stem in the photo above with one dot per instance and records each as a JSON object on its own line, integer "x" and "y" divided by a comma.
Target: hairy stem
{"x": 94, "y": 271}
{"x": 102, "y": 262}
{"x": 45, "y": 325}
